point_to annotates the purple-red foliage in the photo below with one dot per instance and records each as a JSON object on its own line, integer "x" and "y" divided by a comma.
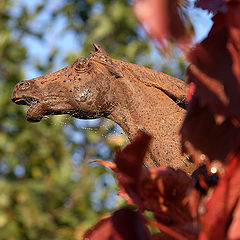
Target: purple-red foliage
{"x": 160, "y": 190}
{"x": 212, "y": 5}
{"x": 221, "y": 218}
{"x": 210, "y": 131}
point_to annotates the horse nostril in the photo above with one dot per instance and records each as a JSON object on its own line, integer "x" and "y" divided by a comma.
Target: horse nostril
{"x": 23, "y": 85}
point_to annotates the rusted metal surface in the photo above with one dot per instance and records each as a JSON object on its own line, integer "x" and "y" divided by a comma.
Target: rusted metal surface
{"x": 135, "y": 97}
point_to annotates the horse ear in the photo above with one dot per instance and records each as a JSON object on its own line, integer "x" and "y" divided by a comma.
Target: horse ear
{"x": 101, "y": 56}
{"x": 99, "y": 49}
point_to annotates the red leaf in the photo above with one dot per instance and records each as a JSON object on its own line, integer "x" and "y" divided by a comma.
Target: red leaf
{"x": 205, "y": 139}
{"x": 107, "y": 164}
{"x": 129, "y": 162}
{"x": 163, "y": 20}
{"x": 128, "y": 166}
{"x": 124, "y": 224}
{"x": 233, "y": 231}
{"x": 212, "y": 5}
{"x": 193, "y": 200}
{"x": 215, "y": 70}
{"x": 163, "y": 191}
{"x": 103, "y": 228}
{"x": 191, "y": 90}
{"x": 233, "y": 20}
{"x": 165, "y": 232}
{"x": 222, "y": 204}
{"x": 233, "y": 14}
{"x": 160, "y": 190}
{"x": 130, "y": 224}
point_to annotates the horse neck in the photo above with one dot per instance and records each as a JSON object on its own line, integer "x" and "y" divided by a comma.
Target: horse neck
{"x": 171, "y": 86}
{"x": 142, "y": 107}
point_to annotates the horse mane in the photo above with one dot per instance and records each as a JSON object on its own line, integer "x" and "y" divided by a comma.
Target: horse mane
{"x": 173, "y": 87}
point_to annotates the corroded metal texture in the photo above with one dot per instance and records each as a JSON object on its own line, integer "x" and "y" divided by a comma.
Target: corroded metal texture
{"x": 137, "y": 98}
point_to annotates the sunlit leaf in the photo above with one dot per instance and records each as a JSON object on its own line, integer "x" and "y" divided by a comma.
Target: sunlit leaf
{"x": 163, "y": 20}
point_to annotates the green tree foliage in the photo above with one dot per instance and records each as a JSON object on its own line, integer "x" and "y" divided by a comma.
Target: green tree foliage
{"x": 110, "y": 23}
{"x": 47, "y": 188}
